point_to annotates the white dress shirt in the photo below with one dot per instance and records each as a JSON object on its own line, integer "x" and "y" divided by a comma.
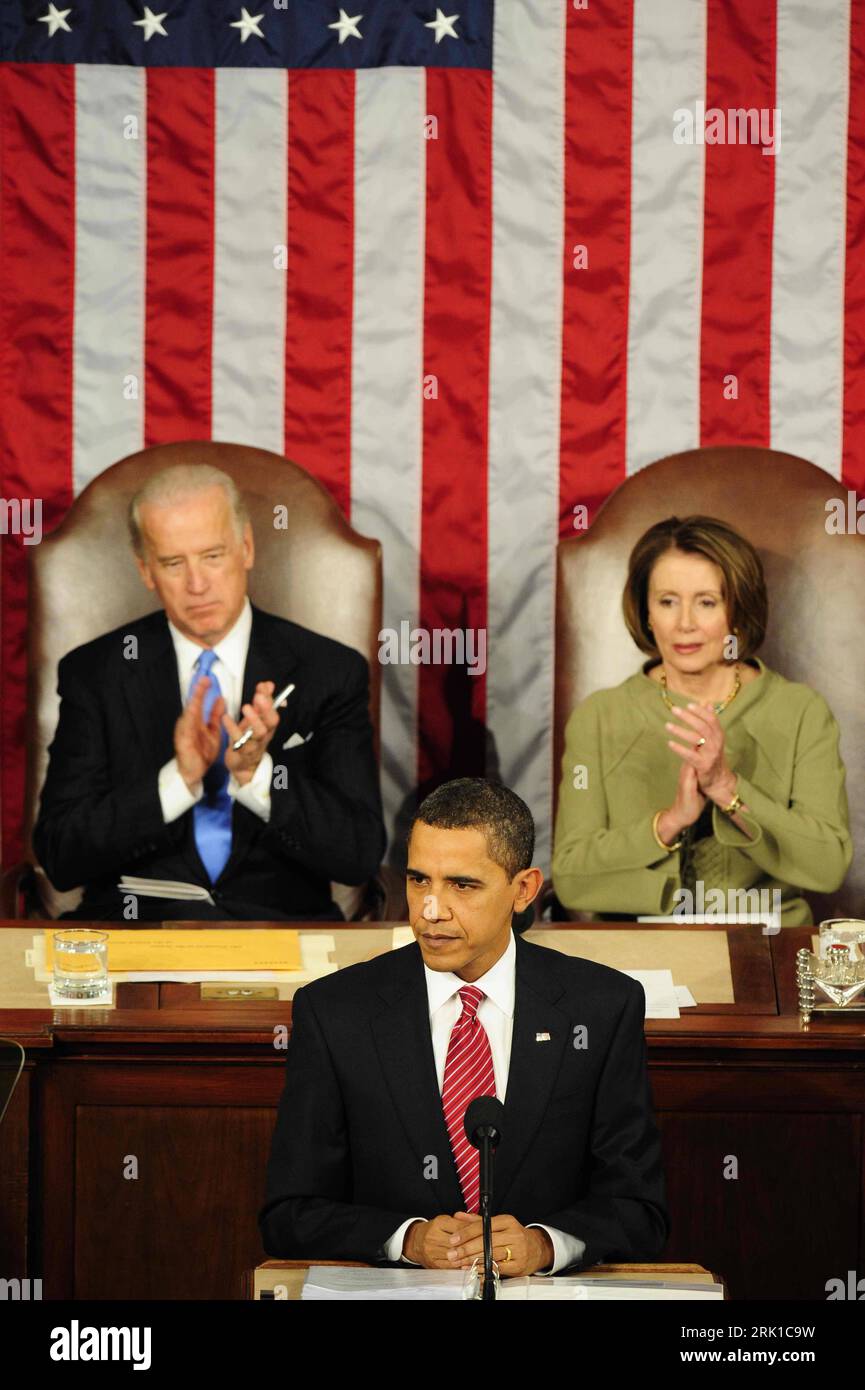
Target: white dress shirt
{"x": 174, "y": 795}
{"x": 496, "y": 1013}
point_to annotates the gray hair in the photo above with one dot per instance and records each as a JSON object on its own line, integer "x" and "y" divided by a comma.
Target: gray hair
{"x": 175, "y": 484}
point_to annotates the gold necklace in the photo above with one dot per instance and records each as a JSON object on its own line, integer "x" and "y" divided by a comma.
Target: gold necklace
{"x": 721, "y": 704}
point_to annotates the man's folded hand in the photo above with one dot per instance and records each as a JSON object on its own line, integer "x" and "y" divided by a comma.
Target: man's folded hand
{"x": 453, "y": 1242}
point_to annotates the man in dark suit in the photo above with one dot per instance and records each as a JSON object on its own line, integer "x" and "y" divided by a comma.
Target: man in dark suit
{"x": 143, "y": 779}
{"x": 369, "y": 1159}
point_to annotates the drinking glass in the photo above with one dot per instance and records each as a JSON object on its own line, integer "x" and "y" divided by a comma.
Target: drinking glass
{"x": 81, "y": 964}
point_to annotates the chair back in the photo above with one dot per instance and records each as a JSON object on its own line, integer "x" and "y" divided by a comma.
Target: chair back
{"x": 815, "y": 579}
{"x": 310, "y": 566}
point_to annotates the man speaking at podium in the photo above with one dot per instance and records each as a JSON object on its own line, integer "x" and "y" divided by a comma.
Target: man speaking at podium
{"x": 369, "y": 1158}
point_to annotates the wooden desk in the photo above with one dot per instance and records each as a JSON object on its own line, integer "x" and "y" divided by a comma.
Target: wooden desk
{"x": 184, "y": 1092}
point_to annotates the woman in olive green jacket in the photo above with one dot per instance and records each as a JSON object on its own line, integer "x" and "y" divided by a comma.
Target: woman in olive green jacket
{"x": 704, "y": 774}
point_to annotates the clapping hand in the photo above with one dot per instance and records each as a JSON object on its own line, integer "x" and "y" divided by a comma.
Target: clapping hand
{"x": 261, "y": 716}
{"x": 701, "y": 747}
{"x": 196, "y": 743}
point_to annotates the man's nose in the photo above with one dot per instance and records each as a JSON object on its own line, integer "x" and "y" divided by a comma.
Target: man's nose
{"x": 196, "y": 581}
{"x": 435, "y": 909}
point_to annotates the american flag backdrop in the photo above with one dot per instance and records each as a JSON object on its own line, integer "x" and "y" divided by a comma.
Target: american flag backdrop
{"x": 452, "y": 261}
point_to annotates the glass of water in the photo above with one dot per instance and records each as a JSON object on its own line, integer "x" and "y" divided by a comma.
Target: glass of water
{"x": 81, "y": 964}
{"x": 846, "y": 931}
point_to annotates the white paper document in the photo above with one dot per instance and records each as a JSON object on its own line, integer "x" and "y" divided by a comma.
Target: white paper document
{"x": 333, "y": 1281}
{"x": 446, "y": 1285}
{"x": 661, "y": 1000}
{"x": 165, "y": 888}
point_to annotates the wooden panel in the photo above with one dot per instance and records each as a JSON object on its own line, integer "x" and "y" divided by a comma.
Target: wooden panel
{"x": 185, "y": 1227}
{"x": 14, "y": 1181}
{"x": 749, "y": 1085}
{"x": 764, "y": 1229}
{"x": 213, "y": 1162}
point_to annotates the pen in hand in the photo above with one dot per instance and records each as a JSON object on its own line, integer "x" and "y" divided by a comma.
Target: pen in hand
{"x": 280, "y": 698}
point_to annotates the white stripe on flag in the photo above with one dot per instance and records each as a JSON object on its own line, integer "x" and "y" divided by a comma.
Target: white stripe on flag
{"x": 810, "y": 230}
{"x": 110, "y": 222}
{"x": 525, "y": 380}
{"x": 248, "y": 289}
{"x": 387, "y": 340}
{"x": 666, "y": 272}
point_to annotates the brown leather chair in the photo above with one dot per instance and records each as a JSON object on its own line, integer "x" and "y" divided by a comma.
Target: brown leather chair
{"x": 816, "y": 584}
{"x": 312, "y": 568}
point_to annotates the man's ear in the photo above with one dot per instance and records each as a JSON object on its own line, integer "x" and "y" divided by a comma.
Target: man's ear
{"x": 528, "y": 884}
{"x": 248, "y": 547}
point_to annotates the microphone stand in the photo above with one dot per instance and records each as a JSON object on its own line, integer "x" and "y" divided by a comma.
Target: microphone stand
{"x": 485, "y": 1171}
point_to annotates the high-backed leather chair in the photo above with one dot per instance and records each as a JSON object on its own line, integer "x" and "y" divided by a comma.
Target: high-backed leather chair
{"x": 310, "y": 566}
{"x": 816, "y": 583}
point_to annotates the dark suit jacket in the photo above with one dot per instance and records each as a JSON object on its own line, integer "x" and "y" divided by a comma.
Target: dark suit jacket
{"x": 100, "y": 813}
{"x": 361, "y": 1114}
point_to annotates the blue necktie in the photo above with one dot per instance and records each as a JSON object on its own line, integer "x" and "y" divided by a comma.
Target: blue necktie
{"x": 212, "y": 814}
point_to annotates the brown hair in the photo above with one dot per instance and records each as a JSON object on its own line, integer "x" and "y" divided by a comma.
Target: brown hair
{"x": 744, "y": 583}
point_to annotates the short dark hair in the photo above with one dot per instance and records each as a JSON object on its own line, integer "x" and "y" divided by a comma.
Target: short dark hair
{"x": 744, "y": 583}
{"x": 476, "y": 803}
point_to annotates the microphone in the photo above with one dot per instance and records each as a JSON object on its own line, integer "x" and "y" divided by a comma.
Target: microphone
{"x": 486, "y": 1113}
{"x": 483, "y": 1125}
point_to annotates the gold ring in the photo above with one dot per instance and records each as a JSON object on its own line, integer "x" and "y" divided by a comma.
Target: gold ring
{"x": 507, "y": 1254}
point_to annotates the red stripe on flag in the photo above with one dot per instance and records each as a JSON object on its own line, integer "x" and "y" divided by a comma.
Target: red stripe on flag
{"x": 179, "y": 313}
{"x": 453, "y": 561}
{"x": 738, "y": 224}
{"x": 320, "y": 277}
{"x": 853, "y": 452}
{"x": 597, "y": 200}
{"x": 37, "y": 217}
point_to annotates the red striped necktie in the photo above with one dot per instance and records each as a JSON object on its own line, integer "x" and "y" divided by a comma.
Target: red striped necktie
{"x": 468, "y": 1074}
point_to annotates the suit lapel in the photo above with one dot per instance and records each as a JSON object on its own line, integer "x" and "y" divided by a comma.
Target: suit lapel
{"x": 534, "y": 1064}
{"x": 154, "y": 700}
{"x": 268, "y": 658}
{"x": 152, "y": 689}
{"x": 404, "y": 1043}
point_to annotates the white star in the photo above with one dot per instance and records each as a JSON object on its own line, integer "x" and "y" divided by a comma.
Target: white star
{"x": 443, "y": 25}
{"x": 248, "y": 24}
{"x": 347, "y": 27}
{"x": 151, "y": 23}
{"x": 57, "y": 20}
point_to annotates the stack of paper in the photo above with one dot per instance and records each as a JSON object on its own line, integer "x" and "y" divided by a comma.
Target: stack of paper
{"x": 662, "y": 997}
{"x": 165, "y": 888}
{"x": 416, "y": 1285}
{"x": 335, "y": 1281}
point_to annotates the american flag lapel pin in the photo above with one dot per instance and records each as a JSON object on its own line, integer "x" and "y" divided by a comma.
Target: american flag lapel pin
{"x": 542, "y": 1037}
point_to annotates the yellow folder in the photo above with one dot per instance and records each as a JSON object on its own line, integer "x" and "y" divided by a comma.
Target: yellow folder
{"x": 195, "y": 949}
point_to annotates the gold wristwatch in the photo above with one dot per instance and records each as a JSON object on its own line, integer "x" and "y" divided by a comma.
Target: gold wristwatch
{"x": 733, "y": 806}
